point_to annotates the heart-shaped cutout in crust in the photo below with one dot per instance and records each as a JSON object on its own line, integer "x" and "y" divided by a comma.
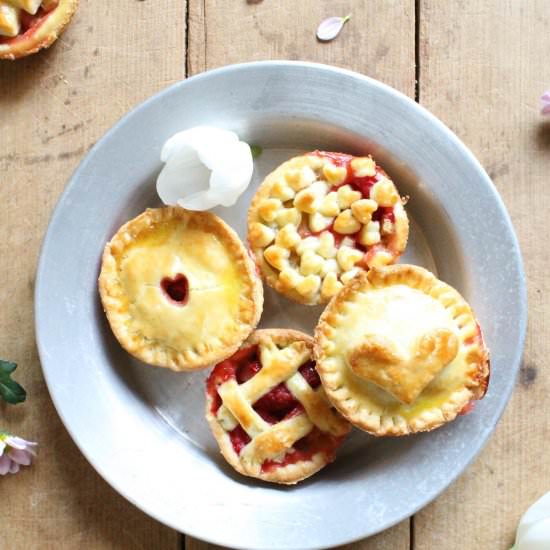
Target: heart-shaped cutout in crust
{"x": 176, "y": 288}
{"x": 380, "y": 360}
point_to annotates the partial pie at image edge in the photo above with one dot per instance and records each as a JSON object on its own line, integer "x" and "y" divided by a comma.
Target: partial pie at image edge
{"x": 45, "y": 28}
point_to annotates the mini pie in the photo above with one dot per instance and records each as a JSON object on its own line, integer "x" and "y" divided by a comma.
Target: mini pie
{"x": 27, "y": 26}
{"x": 399, "y": 351}
{"x": 179, "y": 288}
{"x": 268, "y": 411}
{"x": 319, "y": 219}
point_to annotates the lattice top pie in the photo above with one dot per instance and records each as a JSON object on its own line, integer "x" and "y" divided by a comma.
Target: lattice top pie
{"x": 27, "y": 26}
{"x": 320, "y": 218}
{"x": 268, "y": 411}
{"x": 399, "y": 351}
{"x": 179, "y": 288}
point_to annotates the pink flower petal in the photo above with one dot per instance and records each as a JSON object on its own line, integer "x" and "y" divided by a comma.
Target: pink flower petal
{"x": 5, "y": 463}
{"x": 21, "y": 457}
{"x": 330, "y": 28}
{"x": 546, "y": 109}
{"x": 14, "y": 468}
{"x": 16, "y": 442}
{"x": 546, "y": 96}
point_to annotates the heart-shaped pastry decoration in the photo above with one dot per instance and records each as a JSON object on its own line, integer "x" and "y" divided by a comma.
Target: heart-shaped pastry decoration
{"x": 404, "y": 375}
{"x": 399, "y": 351}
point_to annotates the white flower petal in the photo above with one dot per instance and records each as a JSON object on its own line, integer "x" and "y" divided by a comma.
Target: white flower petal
{"x": 205, "y": 167}
{"x": 2, "y": 447}
{"x": 537, "y": 537}
{"x": 538, "y": 511}
{"x": 182, "y": 172}
{"x": 200, "y": 201}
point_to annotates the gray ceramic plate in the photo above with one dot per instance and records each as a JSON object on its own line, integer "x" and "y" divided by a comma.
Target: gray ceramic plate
{"x": 143, "y": 428}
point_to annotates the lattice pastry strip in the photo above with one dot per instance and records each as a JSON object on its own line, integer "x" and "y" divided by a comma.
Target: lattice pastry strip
{"x": 269, "y": 412}
{"x": 280, "y": 365}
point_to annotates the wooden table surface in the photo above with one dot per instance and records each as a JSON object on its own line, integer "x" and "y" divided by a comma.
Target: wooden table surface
{"x": 479, "y": 66}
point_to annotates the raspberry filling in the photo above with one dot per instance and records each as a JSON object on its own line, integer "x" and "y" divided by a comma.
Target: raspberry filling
{"x": 176, "y": 289}
{"x": 276, "y": 405}
{"x": 363, "y": 185}
{"x": 29, "y": 24}
{"x": 467, "y": 409}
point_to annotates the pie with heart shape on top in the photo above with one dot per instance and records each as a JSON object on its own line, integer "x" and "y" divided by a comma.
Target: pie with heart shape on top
{"x": 399, "y": 351}
{"x": 179, "y": 288}
{"x": 320, "y": 218}
{"x": 27, "y": 26}
{"x": 268, "y": 411}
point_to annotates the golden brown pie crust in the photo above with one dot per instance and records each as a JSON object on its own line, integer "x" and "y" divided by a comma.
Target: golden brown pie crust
{"x": 285, "y": 204}
{"x": 225, "y": 292}
{"x": 399, "y": 351}
{"x": 47, "y": 33}
{"x": 314, "y": 402}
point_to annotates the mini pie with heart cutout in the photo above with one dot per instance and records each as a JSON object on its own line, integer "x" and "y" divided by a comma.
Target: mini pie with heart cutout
{"x": 27, "y": 26}
{"x": 320, "y": 218}
{"x": 268, "y": 411}
{"x": 179, "y": 288}
{"x": 399, "y": 351}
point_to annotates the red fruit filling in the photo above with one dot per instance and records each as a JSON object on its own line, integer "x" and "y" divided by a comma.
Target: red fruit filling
{"x": 363, "y": 185}
{"x": 276, "y": 405}
{"x": 467, "y": 409}
{"x": 239, "y": 438}
{"x": 29, "y": 25}
{"x": 176, "y": 289}
{"x": 313, "y": 443}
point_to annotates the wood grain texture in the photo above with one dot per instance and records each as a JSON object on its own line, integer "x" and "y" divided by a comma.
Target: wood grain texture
{"x": 53, "y": 107}
{"x": 378, "y": 41}
{"x": 483, "y": 68}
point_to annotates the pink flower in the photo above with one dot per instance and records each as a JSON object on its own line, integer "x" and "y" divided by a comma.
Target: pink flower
{"x": 14, "y": 453}
{"x": 545, "y": 110}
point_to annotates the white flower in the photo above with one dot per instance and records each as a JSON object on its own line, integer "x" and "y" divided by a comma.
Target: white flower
{"x": 14, "y": 453}
{"x": 205, "y": 167}
{"x": 534, "y": 526}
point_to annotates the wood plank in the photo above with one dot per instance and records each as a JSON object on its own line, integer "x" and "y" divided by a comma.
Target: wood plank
{"x": 378, "y": 41}
{"x": 483, "y": 68}
{"x": 53, "y": 107}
